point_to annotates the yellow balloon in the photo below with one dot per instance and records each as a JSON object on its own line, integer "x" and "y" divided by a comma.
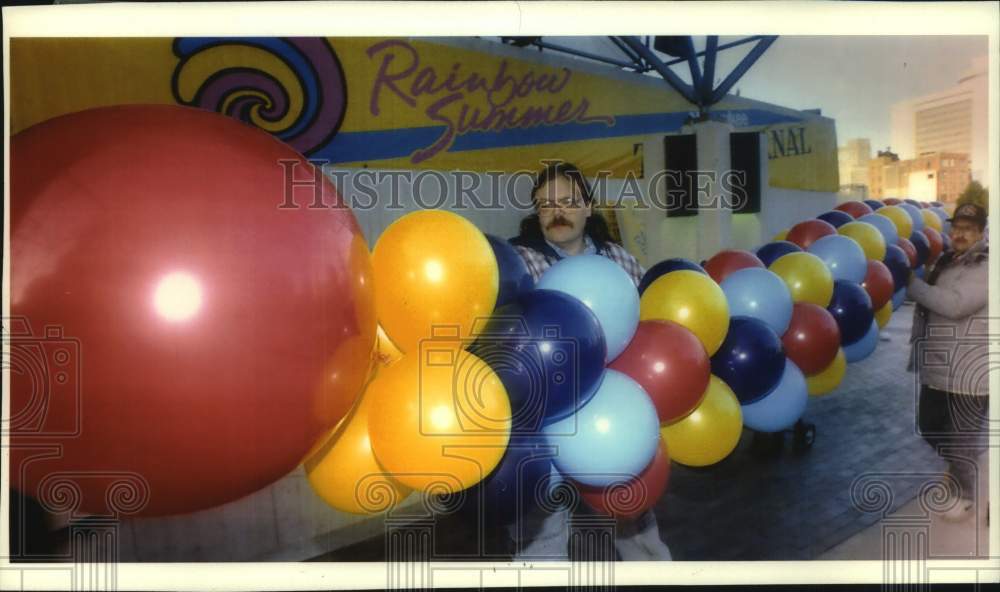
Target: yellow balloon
{"x": 781, "y": 235}
{"x": 829, "y": 378}
{"x": 931, "y": 219}
{"x": 710, "y": 432}
{"x": 883, "y": 315}
{"x": 899, "y": 217}
{"x": 867, "y": 236}
{"x": 807, "y": 277}
{"x": 440, "y": 419}
{"x": 433, "y": 269}
{"x": 690, "y": 299}
{"x": 344, "y": 472}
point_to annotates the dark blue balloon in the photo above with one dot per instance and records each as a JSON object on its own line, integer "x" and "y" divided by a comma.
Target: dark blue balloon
{"x": 899, "y": 266}
{"x": 548, "y": 350}
{"x": 912, "y": 202}
{"x": 851, "y": 307}
{"x": 836, "y": 218}
{"x": 511, "y": 490}
{"x": 923, "y": 246}
{"x": 515, "y": 279}
{"x": 770, "y": 252}
{"x": 751, "y": 360}
{"x": 936, "y": 204}
{"x": 664, "y": 267}
{"x": 874, "y": 204}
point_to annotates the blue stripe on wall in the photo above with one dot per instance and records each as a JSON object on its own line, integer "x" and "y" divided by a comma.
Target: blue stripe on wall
{"x": 396, "y": 143}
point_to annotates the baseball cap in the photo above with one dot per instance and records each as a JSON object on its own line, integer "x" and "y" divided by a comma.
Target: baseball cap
{"x": 971, "y": 212}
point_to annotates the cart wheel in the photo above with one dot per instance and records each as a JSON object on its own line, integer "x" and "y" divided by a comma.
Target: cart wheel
{"x": 805, "y": 435}
{"x": 767, "y": 444}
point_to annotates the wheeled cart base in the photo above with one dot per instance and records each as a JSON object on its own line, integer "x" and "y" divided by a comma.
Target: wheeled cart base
{"x": 803, "y": 435}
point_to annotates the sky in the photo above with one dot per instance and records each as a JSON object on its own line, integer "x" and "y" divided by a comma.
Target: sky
{"x": 852, "y": 79}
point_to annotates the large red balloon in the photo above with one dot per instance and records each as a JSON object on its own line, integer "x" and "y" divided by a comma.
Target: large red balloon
{"x": 855, "y": 208}
{"x": 670, "y": 364}
{"x": 812, "y": 339}
{"x": 909, "y": 249}
{"x": 198, "y": 337}
{"x": 878, "y": 283}
{"x": 806, "y": 233}
{"x": 936, "y": 243}
{"x": 726, "y": 262}
{"x": 629, "y": 499}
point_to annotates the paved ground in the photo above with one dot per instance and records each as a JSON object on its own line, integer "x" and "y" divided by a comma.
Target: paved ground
{"x": 867, "y": 462}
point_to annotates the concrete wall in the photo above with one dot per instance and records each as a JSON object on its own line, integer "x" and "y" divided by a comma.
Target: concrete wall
{"x": 653, "y": 237}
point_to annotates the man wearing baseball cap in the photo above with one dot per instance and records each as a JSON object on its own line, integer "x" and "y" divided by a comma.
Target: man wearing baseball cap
{"x": 951, "y": 356}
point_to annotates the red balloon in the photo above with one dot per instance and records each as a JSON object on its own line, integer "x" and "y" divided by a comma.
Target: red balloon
{"x": 670, "y": 364}
{"x": 806, "y": 233}
{"x": 198, "y": 337}
{"x": 878, "y": 283}
{"x": 812, "y": 339}
{"x": 726, "y": 262}
{"x": 855, "y": 208}
{"x": 629, "y": 499}
{"x": 892, "y": 201}
{"x": 909, "y": 249}
{"x": 936, "y": 243}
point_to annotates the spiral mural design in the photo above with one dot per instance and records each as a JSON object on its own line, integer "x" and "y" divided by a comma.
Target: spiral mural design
{"x": 291, "y": 87}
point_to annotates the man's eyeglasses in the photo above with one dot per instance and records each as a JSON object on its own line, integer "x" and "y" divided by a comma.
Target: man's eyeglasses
{"x": 563, "y": 203}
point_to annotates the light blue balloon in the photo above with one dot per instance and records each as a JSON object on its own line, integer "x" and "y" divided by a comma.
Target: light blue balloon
{"x": 898, "y": 298}
{"x": 783, "y": 406}
{"x": 862, "y": 348}
{"x": 843, "y": 256}
{"x": 613, "y": 437}
{"x": 915, "y": 215}
{"x": 884, "y": 225}
{"x": 761, "y": 294}
{"x": 605, "y": 288}
{"x": 920, "y": 271}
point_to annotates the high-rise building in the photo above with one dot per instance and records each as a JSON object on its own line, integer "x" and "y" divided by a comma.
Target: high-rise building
{"x": 853, "y": 161}
{"x": 939, "y": 176}
{"x": 951, "y": 121}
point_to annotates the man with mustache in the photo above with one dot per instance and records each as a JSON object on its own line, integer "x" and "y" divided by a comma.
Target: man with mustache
{"x": 565, "y": 225}
{"x": 953, "y": 360}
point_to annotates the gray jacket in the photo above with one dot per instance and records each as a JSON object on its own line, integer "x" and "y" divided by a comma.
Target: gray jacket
{"x": 950, "y": 335}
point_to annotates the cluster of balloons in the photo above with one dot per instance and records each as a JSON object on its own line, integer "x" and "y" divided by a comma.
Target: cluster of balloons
{"x": 432, "y": 363}
{"x": 489, "y": 392}
{"x": 486, "y": 381}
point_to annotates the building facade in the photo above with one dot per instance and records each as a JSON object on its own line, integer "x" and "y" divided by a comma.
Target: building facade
{"x": 938, "y": 176}
{"x": 951, "y": 121}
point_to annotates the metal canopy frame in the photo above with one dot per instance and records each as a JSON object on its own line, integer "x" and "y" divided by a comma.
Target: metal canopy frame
{"x": 641, "y": 58}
